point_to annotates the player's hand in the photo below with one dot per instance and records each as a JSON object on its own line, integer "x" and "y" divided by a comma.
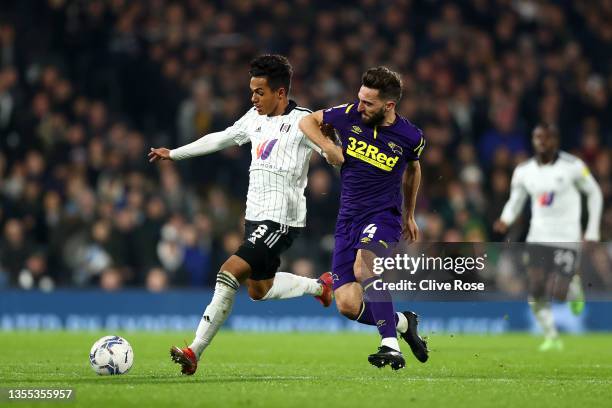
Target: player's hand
{"x": 161, "y": 153}
{"x": 410, "y": 232}
{"x": 334, "y": 155}
{"x": 500, "y": 227}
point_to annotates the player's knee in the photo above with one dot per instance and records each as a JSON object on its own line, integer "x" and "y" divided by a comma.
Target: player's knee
{"x": 347, "y": 308}
{"x": 362, "y": 268}
{"x": 258, "y": 292}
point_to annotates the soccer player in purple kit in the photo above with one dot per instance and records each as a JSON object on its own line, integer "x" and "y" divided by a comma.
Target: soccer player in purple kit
{"x": 379, "y": 155}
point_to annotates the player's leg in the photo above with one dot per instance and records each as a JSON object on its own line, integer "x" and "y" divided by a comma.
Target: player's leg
{"x": 538, "y": 267}
{"x": 575, "y": 295}
{"x": 381, "y": 306}
{"x": 568, "y": 286}
{"x": 234, "y": 271}
{"x": 285, "y": 285}
{"x": 350, "y": 303}
{"x": 265, "y": 283}
{"x": 349, "y": 293}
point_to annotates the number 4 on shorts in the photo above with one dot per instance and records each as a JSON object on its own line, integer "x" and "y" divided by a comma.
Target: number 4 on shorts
{"x": 370, "y": 230}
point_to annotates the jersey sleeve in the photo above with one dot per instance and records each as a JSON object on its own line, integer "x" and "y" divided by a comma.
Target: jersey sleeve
{"x": 416, "y": 149}
{"x": 586, "y": 183}
{"x": 518, "y": 196}
{"x": 238, "y": 131}
{"x": 338, "y": 116}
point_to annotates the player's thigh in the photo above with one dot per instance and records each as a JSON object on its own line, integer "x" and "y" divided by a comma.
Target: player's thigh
{"x": 348, "y": 299}
{"x": 238, "y": 267}
{"x": 263, "y": 243}
{"x": 557, "y": 286}
{"x": 564, "y": 266}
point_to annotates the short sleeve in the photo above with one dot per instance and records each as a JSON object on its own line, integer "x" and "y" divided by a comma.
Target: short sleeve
{"x": 238, "y": 130}
{"x": 338, "y": 115}
{"x": 416, "y": 149}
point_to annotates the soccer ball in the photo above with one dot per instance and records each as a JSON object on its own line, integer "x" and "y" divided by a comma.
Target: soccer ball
{"x": 111, "y": 355}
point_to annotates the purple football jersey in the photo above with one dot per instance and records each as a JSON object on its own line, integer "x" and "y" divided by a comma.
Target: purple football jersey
{"x": 375, "y": 159}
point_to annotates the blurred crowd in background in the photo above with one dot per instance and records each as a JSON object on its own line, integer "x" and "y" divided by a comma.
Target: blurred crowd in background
{"x": 87, "y": 86}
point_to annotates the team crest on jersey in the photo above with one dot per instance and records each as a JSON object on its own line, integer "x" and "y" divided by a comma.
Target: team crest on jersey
{"x": 395, "y": 148}
{"x": 356, "y": 129}
{"x": 546, "y": 199}
{"x": 285, "y": 127}
{"x": 265, "y": 148}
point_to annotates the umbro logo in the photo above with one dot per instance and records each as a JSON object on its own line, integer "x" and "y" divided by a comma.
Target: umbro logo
{"x": 251, "y": 240}
{"x": 380, "y": 323}
{"x": 356, "y": 129}
{"x": 258, "y": 129}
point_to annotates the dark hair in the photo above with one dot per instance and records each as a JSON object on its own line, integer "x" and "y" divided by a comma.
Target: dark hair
{"x": 550, "y": 128}
{"x": 388, "y": 83}
{"x": 275, "y": 68}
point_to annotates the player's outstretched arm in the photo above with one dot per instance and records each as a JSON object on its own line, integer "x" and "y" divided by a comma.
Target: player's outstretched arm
{"x": 206, "y": 144}
{"x": 410, "y": 186}
{"x": 311, "y": 125}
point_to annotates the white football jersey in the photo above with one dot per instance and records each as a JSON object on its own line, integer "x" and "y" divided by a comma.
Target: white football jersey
{"x": 280, "y": 154}
{"x": 554, "y": 189}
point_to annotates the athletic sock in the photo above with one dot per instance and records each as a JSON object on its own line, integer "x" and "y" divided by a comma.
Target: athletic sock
{"x": 543, "y": 313}
{"x": 216, "y": 312}
{"x": 287, "y": 285}
{"x": 381, "y": 305}
{"x": 365, "y": 317}
{"x": 390, "y": 342}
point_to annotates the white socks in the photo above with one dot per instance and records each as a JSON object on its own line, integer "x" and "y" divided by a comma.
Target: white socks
{"x": 216, "y": 312}
{"x": 390, "y": 342}
{"x": 287, "y": 285}
{"x": 543, "y": 313}
{"x": 402, "y": 323}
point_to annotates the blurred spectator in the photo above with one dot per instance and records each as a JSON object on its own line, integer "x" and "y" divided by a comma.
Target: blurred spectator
{"x": 157, "y": 280}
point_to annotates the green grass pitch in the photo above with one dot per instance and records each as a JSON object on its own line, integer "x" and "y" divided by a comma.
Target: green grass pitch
{"x": 318, "y": 370}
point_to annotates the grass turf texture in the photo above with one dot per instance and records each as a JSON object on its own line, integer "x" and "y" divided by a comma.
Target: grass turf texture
{"x": 328, "y": 370}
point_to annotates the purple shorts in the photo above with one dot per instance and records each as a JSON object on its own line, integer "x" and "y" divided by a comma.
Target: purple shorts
{"x": 378, "y": 233}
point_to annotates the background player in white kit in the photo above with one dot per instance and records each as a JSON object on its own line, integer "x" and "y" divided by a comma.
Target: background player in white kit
{"x": 276, "y": 205}
{"x": 553, "y": 180}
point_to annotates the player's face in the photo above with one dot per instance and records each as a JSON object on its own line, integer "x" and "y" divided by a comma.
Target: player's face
{"x": 371, "y": 107}
{"x": 544, "y": 142}
{"x": 265, "y": 99}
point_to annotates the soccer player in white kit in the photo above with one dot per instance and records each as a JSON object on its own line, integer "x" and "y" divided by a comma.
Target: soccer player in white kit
{"x": 275, "y": 208}
{"x": 554, "y": 181}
